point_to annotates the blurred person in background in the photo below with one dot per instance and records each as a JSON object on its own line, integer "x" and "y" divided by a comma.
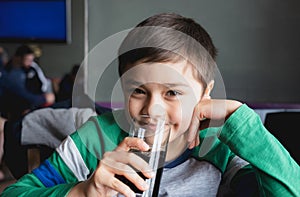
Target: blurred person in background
{"x": 24, "y": 85}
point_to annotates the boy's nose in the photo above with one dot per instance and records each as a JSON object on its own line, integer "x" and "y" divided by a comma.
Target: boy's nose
{"x": 154, "y": 107}
{"x": 157, "y": 110}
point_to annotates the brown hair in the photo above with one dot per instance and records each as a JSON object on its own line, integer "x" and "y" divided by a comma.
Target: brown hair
{"x": 169, "y": 37}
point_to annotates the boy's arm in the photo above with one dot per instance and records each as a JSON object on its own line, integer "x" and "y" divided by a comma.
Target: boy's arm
{"x": 52, "y": 178}
{"x": 277, "y": 173}
{"x": 29, "y": 185}
{"x": 76, "y": 163}
{"x": 55, "y": 176}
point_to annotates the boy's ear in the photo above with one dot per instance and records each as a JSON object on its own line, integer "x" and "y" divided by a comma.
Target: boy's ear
{"x": 208, "y": 89}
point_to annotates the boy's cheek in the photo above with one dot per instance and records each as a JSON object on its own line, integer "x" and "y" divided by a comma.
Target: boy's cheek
{"x": 134, "y": 108}
{"x": 183, "y": 118}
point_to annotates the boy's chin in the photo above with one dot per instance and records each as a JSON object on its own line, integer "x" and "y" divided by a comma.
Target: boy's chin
{"x": 177, "y": 145}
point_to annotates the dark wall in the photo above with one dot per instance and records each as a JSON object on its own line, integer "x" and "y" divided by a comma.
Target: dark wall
{"x": 258, "y": 41}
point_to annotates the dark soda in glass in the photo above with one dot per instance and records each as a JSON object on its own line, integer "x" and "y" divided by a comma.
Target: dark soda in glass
{"x": 156, "y": 179}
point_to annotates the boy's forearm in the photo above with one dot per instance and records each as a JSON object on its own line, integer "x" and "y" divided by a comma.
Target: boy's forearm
{"x": 246, "y": 136}
{"x": 25, "y": 190}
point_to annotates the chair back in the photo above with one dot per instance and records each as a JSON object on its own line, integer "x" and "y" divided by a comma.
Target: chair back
{"x": 285, "y": 126}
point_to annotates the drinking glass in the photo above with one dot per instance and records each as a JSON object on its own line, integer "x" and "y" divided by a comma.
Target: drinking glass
{"x": 155, "y": 132}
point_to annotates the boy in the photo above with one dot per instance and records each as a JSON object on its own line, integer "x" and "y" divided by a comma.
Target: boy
{"x": 164, "y": 72}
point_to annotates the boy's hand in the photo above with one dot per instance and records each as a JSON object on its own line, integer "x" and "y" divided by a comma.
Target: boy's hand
{"x": 206, "y": 110}
{"x": 118, "y": 162}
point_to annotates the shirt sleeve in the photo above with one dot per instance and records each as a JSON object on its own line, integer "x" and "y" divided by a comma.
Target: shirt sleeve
{"x": 276, "y": 171}
{"x": 30, "y": 185}
{"x": 66, "y": 167}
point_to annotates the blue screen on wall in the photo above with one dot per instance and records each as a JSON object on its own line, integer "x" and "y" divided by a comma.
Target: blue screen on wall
{"x": 34, "y": 21}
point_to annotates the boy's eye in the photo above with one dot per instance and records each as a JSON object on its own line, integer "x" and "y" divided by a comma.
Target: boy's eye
{"x": 173, "y": 93}
{"x": 138, "y": 91}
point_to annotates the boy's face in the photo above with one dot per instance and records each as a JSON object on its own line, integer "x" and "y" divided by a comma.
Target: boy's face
{"x": 163, "y": 88}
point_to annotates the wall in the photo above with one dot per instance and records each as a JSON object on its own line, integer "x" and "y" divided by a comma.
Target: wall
{"x": 257, "y": 41}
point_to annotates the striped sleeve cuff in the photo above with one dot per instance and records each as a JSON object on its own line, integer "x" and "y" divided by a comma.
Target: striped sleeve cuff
{"x": 48, "y": 175}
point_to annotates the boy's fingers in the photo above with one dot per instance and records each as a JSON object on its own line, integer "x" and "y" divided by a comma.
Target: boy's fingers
{"x": 195, "y": 142}
{"x": 132, "y": 143}
{"x": 131, "y": 175}
{"x": 116, "y": 178}
{"x": 194, "y": 129}
{"x": 106, "y": 182}
{"x": 117, "y": 160}
{"x": 119, "y": 186}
